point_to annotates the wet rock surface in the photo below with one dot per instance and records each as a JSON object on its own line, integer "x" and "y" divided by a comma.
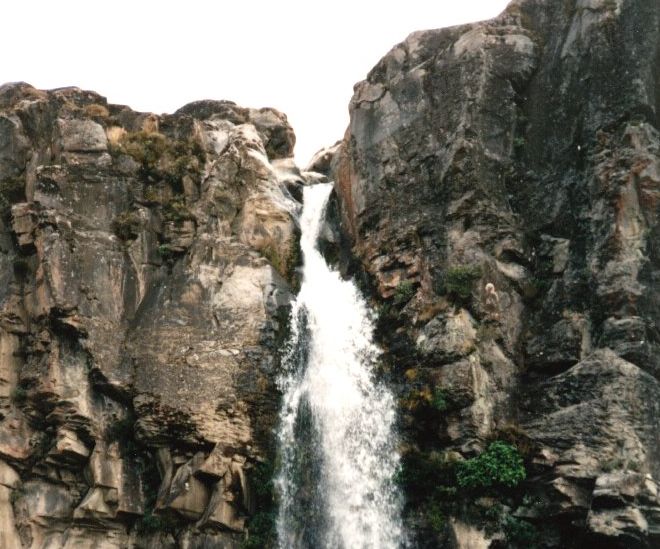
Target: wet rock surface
{"x": 147, "y": 264}
{"x": 520, "y": 152}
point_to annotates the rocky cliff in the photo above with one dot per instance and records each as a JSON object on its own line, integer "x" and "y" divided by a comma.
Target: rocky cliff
{"x": 497, "y": 194}
{"x": 146, "y": 266}
{"x": 499, "y": 184}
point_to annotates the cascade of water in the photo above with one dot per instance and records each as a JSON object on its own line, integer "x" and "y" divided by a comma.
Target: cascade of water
{"x": 336, "y": 437}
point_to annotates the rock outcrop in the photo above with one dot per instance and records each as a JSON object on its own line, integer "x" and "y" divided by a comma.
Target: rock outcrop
{"x": 146, "y": 271}
{"x": 523, "y": 152}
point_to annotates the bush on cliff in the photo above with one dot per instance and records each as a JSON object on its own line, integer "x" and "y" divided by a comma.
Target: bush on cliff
{"x": 459, "y": 281}
{"x": 261, "y": 526}
{"x": 501, "y": 464}
{"x": 404, "y": 292}
{"x": 162, "y": 158}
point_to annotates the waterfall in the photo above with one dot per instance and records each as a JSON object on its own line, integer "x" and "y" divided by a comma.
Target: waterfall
{"x": 336, "y": 436}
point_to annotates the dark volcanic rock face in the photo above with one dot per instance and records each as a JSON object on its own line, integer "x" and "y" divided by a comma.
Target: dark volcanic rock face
{"x": 521, "y": 152}
{"x": 146, "y": 267}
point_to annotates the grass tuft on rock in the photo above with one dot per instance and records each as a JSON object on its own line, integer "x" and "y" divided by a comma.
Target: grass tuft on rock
{"x": 459, "y": 281}
{"x": 96, "y": 111}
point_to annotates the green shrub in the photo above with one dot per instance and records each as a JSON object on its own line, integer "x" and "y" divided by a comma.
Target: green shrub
{"x": 418, "y": 399}
{"x": 96, "y": 111}
{"x": 440, "y": 400}
{"x": 165, "y": 251}
{"x": 18, "y": 395}
{"x": 146, "y": 148}
{"x": 404, "y": 292}
{"x": 536, "y": 287}
{"x": 459, "y": 281}
{"x": 272, "y": 255}
{"x": 262, "y": 480}
{"x": 150, "y": 523}
{"x": 384, "y": 310}
{"x": 428, "y": 481}
{"x": 286, "y": 263}
{"x": 501, "y": 464}
{"x": 261, "y": 531}
{"x": 145, "y": 462}
{"x": 435, "y": 516}
{"x": 154, "y": 195}
{"x": 261, "y": 526}
{"x": 520, "y": 533}
{"x": 423, "y": 475}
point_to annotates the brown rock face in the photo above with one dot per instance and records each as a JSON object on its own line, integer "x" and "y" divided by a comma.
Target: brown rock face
{"x": 144, "y": 282}
{"x": 521, "y": 152}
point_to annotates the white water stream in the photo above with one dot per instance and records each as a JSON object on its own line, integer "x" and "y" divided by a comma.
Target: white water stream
{"x": 336, "y": 438}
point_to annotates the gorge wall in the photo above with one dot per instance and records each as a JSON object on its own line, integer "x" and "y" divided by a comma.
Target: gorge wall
{"x": 521, "y": 152}
{"x": 148, "y": 263}
{"x": 146, "y": 269}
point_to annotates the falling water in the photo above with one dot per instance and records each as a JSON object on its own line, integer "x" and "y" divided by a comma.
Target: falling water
{"x": 336, "y": 437}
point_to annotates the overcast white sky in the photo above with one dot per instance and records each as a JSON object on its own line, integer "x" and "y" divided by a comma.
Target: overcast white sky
{"x": 301, "y": 57}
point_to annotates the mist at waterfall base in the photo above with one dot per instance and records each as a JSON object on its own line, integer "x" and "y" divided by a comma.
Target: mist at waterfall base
{"x": 336, "y": 436}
